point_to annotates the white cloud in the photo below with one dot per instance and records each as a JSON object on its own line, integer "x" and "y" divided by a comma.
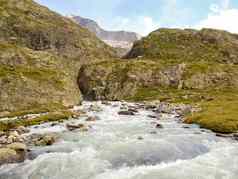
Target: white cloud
{"x": 225, "y": 4}
{"x": 142, "y": 24}
{"x": 221, "y": 17}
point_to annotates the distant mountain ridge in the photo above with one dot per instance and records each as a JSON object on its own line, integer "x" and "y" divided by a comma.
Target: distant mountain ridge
{"x": 118, "y": 39}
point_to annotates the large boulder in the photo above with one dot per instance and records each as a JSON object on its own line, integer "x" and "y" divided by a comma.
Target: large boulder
{"x": 12, "y": 153}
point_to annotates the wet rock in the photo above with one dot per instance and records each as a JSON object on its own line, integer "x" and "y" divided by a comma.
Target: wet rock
{"x": 45, "y": 140}
{"x": 235, "y": 136}
{"x": 198, "y": 133}
{"x": 76, "y": 114}
{"x": 115, "y": 105}
{"x": 2, "y": 133}
{"x": 140, "y": 138}
{"x": 153, "y": 132}
{"x": 124, "y": 108}
{"x": 128, "y": 113}
{"x": 107, "y": 103}
{"x": 159, "y": 126}
{"x": 73, "y": 127}
{"x": 152, "y": 116}
{"x": 223, "y": 135}
{"x": 186, "y": 127}
{"x": 18, "y": 147}
{"x": 164, "y": 108}
{"x": 3, "y": 140}
{"x": 22, "y": 130}
{"x": 13, "y": 136}
{"x": 150, "y": 107}
{"x": 134, "y": 110}
{"x": 182, "y": 110}
{"x": 93, "y": 118}
{"x": 95, "y": 108}
{"x": 13, "y": 153}
{"x": 8, "y": 156}
{"x": 54, "y": 124}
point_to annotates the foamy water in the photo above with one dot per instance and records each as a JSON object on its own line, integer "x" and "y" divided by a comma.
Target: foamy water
{"x": 129, "y": 147}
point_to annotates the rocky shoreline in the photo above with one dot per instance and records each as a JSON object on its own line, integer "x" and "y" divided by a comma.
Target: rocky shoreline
{"x": 16, "y": 143}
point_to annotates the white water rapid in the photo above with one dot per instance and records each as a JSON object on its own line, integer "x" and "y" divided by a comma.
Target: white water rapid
{"x": 129, "y": 147}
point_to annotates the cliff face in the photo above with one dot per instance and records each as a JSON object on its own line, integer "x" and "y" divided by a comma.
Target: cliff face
{"x": 117, "y": 39}
{"x": 169, "y": 59}
{"x": 40, "y": 55}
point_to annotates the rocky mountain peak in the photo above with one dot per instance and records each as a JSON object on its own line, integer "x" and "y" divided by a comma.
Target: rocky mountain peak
{"x": 117, "y": 39}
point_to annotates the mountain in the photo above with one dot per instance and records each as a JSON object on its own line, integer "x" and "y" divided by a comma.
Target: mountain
{"x": 117, "y": 39}
{"x": 40, "y": 56}
{"x": 175, "y": 65}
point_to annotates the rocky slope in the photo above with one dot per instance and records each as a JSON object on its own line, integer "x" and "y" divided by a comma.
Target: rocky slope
{"x": 118, "y": 39}
{"x": 40, "y": 55}
{"x": 168, "y": 58}
{"x": 172, "y": 65}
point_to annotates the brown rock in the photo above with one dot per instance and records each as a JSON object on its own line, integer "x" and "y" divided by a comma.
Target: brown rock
{"x": 46, "y": 140}
{"x": 128, "y": 113}
{"x": 72, "y": 127}
{"x": 93, "y": 118}
{"x": 159, "y": 126}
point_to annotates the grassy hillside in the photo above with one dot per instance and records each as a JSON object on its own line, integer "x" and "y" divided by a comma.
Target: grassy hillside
{"x": 36, "y": 27}
{"x": 40, "y": 55}
{"x": 181, "y": 66}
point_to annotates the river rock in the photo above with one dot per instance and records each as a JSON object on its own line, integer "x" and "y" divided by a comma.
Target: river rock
{"x": 18, "y": 147}
{"x": 77, "y": 114}
{"x": 159, "y": 126}
{"x": 7, "y": 156}
{"x": 45, "y": 140}
{"x": 128, "y": 113}
{"x": 54, "y": 124}
{"x": 13, "y": 153}
{"x": 150, "y": 107}
{"x": 152, "y": 116}
{"x": 22, "y": 130}
{"x": 93, "y": 118}
{"x": 164, "y": 108}
{"x": 235, "y": 136}
{"x": 3, "y": 140}
{"x": 72, "y": 127}
{"x": 14, "y": 136}
{"x": 95, "y": 108}
{"x": 134, "y": 110}
{"x": 107, "y": 103}
{"x": 224, "y": 135}
{"x": 140, "y": 138}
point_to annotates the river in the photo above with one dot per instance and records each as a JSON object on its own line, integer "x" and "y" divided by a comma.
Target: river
{"x": 129, "y": 147}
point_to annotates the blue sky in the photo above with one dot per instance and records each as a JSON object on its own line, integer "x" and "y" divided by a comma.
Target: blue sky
{"x": 144, "y": 16}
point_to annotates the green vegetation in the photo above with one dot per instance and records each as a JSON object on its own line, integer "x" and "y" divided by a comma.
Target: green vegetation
{"x": 35, "y": 109}
{"x": 219, "y": 108}
{"x": 49, "y": 117}
{"x": 28, "y": 24}
{"x": 177, "y": 66}
{"x": 188, "y": 45}
{"x": 40, "y": 56}
{"x": 219, "y": 115}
